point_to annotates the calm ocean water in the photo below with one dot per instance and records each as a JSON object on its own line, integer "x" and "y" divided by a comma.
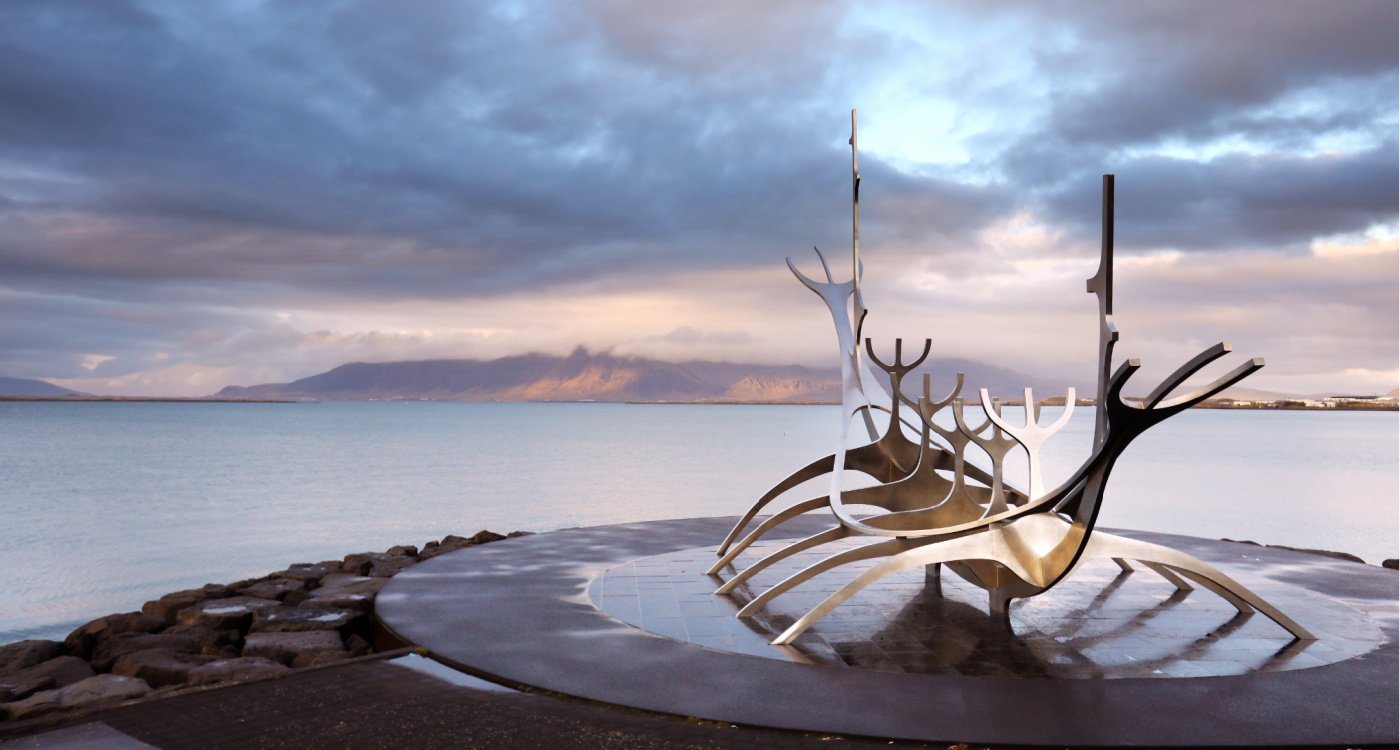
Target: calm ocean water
{"x": 106, "y": 505}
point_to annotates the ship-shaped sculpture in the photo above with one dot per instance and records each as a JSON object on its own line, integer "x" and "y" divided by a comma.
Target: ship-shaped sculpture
{"x": 1013, "y": 543}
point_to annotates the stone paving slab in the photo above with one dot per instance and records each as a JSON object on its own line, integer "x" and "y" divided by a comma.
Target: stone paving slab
{"x": 519, "y": 610}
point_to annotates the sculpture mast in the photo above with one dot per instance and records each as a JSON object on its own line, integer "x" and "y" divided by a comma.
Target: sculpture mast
{"x": 1102, "y": 285}
{"x": 859, "y": 309}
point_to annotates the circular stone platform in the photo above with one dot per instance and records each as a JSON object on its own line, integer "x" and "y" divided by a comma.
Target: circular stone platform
{"x": 1100, "y": 623}
{"x": 624, "y": 614}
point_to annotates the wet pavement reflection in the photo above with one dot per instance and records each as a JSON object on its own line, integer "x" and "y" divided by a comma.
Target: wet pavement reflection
{"x": 1101, "y": 622}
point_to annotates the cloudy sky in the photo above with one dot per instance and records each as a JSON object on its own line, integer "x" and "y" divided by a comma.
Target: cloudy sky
{"x": 194, "y": 195}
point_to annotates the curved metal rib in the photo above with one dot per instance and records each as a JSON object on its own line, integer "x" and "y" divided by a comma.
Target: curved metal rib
{"x": 816, "y": 540}
{"x": 1186, "y": 371}
{"x": 878, "y": 549}
{"x": 1104, "y": 545}
{"x": 890, "y": 458}
{"x": 768, "y": 525}
{"x": 976, "y": 546}
{"x": 1199, "y": 395}
{"x": 813, "y": 470}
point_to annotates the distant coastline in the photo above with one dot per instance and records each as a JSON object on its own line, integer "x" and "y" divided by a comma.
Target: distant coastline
{"x": 155, "y": 400}
{"x": 1378, "y": 404}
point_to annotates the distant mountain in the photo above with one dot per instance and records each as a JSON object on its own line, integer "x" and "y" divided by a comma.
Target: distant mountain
{"x": 28, "y": 388}
{"x": 582, "y": 376}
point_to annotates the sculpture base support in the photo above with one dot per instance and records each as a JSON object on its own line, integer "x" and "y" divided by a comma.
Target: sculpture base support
{"x": 516, "y": 611}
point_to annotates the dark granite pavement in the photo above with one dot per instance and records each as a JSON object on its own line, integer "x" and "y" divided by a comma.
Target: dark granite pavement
{"x": 376, "y": 704}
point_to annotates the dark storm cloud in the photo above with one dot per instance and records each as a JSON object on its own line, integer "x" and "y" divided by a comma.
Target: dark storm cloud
{"x": 522, "y": 144}
{"x": 1276, "y": 77}
{"x": 1191, "y": 69}
{"x": 177, "y": 169}
{"x": 508, "y": 150}
{"x": 1276, "y": 201}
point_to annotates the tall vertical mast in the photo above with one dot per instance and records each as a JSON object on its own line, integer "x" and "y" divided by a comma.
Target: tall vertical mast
{"x": 859, "y": 309}
{"x": 1102, "y": 285}
{"x": 855, "y": 204}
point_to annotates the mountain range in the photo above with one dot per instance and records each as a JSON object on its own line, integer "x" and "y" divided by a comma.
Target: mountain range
{"x": 583, "y": 376}
{"x": 28, "y": 388}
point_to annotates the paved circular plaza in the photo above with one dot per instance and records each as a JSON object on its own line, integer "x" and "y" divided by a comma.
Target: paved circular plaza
{"x": 625, "y": 614}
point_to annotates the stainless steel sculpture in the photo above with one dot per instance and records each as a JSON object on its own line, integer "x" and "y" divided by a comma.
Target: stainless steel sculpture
{"x": 1013, "y": 543}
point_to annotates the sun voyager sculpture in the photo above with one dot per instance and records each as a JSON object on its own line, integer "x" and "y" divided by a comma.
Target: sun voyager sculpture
{"x": 941, "y": 510}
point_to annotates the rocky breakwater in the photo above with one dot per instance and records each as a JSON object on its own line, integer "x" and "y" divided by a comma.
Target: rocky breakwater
{"x": 307, "y": 615}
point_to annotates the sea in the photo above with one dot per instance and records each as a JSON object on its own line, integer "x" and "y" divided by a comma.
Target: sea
{"x": 106, "y": 505}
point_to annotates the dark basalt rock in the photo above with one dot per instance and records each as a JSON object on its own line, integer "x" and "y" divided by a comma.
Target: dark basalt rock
{"x": 484, "y": 537}
{"x": 109, "y": 651}
{"x": 297, "y": 619}
{"x": 1391, "y": 563}
{"x": 233, "y": 613}
{"x": 441, "y": 549}
{"x": 277, "y": 589}
{"x": 284, "y": 647}
{"x": 94, "y": 691}
{"x": 341, "y": 601}
{"x": 344, "y": 591}
{"x": 298, "y": 615}
{"x": 239, "y": 669}
{"x": 160, "y": 667}
{"x": 449, "y": 543}
{"x": 25, "y": 654}
{"x": 16, "y": 690}
{"x": 390, "y": 566}
{"x": 58, "y": 672}
{"x": 82, "y": 641}
{"x": 344, "y": 583}
{"x": 309, "y": 575}
{"x": 452, "y": 542}
{"x": 169, "y": 606}
{"x": 316, "y": 658}
{"x": 375, "y": 564}
{"x": 208, "y": 640}
{"x": 358, "y": 646}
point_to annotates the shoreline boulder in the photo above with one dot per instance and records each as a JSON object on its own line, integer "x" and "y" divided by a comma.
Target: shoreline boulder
{"x": 232, "y": 613}
{"x": 169, "y": 605}
{"x": 25, "y": 654}
{"x": 298, "y": 619}
{"x": 287, "y": 646}
{"x": 277, "y": 589}
{"x": 344, "y": 591}
{"x": 101, "y": 689}
{"x": 238, "y": 669}
{"x": 58, "y": 672}
{"x": 82, "y": 641}
{"x": 114, "y": 648}
{"x": 159, "y": 666}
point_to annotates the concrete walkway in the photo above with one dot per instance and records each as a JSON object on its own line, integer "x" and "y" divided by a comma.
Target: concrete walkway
{"x": 377, "y": 703}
